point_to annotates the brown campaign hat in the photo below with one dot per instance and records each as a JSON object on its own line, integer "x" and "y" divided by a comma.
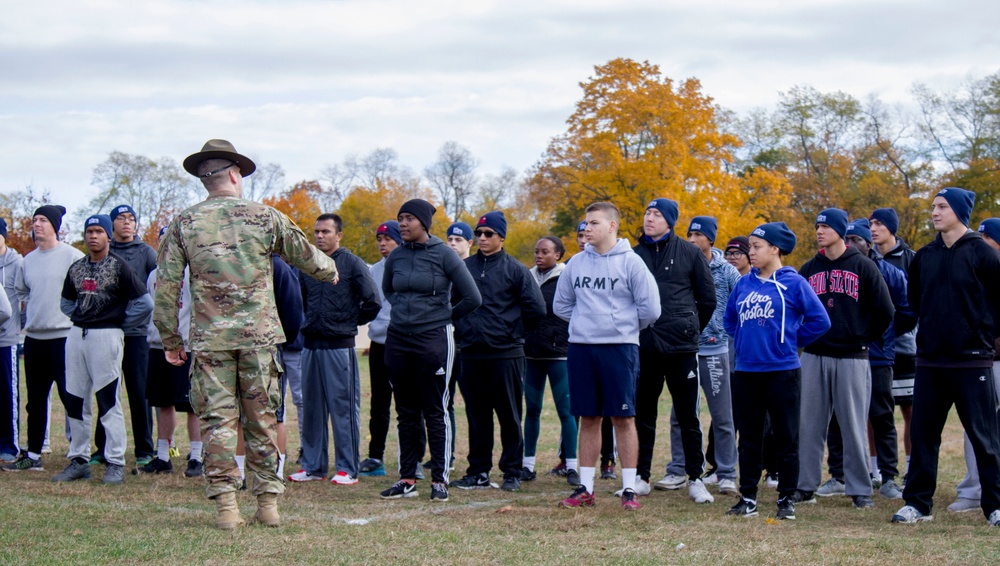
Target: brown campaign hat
{"x": 219, "y": 149}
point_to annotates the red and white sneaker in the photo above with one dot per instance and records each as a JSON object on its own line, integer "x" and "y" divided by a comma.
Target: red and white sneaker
{"x": 302, "y": 475}
{"x": 580, "y": 498}
{"x": 342, "y": 478}
{"x": 630, "y": 501}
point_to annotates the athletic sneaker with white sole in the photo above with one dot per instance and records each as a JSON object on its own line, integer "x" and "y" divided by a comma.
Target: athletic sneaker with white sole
{"x": 671, "y": 482}
{"x": 641, "y": 488}
{"x": 963, "y": 505}
{"x": 698, "y": 492}
{"x": 771, "y": 481}
{"x": 743, "y": 508}
{"x": 399, "y": 490}
{"x": 831, "y": 487}
{"x": 909, "y": 515}
{"x": 994, "y": 519}
{"x": 728, "y": 487}
{"x": 710, "y": 479}
{"x": 890, "y": 490}
{"x": 343, "y": 478}
{"x": 302, "y": 475}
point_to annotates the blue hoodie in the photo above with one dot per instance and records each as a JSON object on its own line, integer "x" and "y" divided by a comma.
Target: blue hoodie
{"x": 770, "y": 319}
{"x": 607, "y": 298}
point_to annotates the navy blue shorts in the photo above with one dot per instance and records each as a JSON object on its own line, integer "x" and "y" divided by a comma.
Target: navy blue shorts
{"x": 602, "y": 379}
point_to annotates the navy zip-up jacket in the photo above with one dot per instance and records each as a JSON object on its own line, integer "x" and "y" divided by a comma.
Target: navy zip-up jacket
{"x": 288, "y": 301}
{"x": 687, "y": 294}
{"x": 882, "y": 353}
{"x": 956, "y": 295}
{"x": 418, "y": 284}
{"x": 334, "y": 312}
{"x": 512, "y": 304}
{"x": 856, "y": 299}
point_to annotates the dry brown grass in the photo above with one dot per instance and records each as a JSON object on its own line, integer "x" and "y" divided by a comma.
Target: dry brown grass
{"x": 166, "y": 519}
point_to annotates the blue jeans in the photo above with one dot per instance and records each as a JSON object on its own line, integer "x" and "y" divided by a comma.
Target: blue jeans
{"x": 534, "y": 392}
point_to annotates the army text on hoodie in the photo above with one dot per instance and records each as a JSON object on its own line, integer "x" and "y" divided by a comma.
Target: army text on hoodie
{"x": 607, "y": 298}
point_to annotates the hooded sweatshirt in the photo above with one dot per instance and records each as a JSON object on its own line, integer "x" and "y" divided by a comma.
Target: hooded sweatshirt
{"x": 378, "y": 328}
{"x": 550, "y": 340}
{"x": 900, "y": 256}
{"x": 856, "y": 298}
{"x": 142, "y": 259}
{"x": 955, "y": 293}
{"x": 10, "y": 262}
{"x": 770, "y": 319}
{"x": 607, "y": 298}
{"x": 183, "y": 311}
{"x": 39, "y": 284}
{"x": 713, "y": 339}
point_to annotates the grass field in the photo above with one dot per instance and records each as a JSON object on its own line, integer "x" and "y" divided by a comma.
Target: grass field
{"x": 167, "y": 519}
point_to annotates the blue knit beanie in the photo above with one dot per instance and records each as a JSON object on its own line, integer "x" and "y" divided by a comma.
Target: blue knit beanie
{"x": 390, "y": 228}
{"x": 888, "y": 218}
{"x": 960, "y": 200}
{"x": 860, "y": 227}
{"x": 102, "y": 220}
{"x": 460, "y": 229}
{"x": 835, "y": 219}
{"x": 706, "y": 225}
{"x": 777, "y": 234}
{"x": 581, "y": 226}
{"x": 3, "y": 227}
{"x": 494, "y": 220}
{"x": 991, "y": 227}
{"x": 668, "y": 208}
{"x": 122, "y": 209}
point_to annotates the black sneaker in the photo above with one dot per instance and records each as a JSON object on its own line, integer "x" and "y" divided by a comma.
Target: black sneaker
{"x": 399, "y": 490}
{"x": 24, "y": 463}
{"x": 744, "y": 508}
{"x": 528, "y": 475}
{"x": 806, "y": 497}
{"x": 439, "y": 491}
{"x": 511, "y": 483}
{"x": 478, "y": 481}
{"x": 786, "y": 508}
{"x": 863, "y": 502}
{"x": 195, "y": 469}
{"x": 157, "y": 466}
{"x": 572, "y": 477}
{"x": 608, "y": 471}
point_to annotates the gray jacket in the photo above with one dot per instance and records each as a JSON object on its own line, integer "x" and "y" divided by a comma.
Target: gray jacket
{"x": 10, "y": 262}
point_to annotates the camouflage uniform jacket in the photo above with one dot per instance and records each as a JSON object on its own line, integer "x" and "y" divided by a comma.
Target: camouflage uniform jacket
{"x": 228, "y": 241}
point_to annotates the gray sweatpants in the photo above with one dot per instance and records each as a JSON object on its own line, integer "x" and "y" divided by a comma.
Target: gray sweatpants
{"x": 713, "y": 374}
{"x": 93, "y": 368}
{"x": 844, "y": 386}
{"x": 292, "y": 360}
{"x": 331, "y": 387}
{"x": 969, "y": 487}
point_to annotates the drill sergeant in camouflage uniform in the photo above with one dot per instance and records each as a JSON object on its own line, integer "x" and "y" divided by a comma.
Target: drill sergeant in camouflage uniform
{"x": 227, "y": 242}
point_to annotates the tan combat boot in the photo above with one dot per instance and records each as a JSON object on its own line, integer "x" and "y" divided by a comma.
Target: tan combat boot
{"x": 228, "y": 516}
{"x": 267, "y": 510}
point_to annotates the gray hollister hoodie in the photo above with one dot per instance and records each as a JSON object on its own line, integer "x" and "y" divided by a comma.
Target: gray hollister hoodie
{"x": 9, "y": 264}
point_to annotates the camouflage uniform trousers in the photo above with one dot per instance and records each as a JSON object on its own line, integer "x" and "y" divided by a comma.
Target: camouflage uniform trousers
{"x": 238, "y": 384}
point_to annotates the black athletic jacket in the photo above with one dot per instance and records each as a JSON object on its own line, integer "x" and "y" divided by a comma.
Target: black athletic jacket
{"x": 687, "y": 294}
{"x": 334, "y": 312}
{"x": 512, "y": 303}
{"x": 856, "y": 298}
{"x": 956, "y": 294}
{"x": 550, "y": 340}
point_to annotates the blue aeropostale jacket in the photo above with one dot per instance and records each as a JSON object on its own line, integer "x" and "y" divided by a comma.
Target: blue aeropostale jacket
{"x": 770, "y": 319}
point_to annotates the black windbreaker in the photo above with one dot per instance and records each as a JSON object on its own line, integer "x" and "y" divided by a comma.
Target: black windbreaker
{"x": 687, "y": 294}
{"x": 956, "y": 294}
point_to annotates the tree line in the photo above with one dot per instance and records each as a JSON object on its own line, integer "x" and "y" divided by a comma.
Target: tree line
{"x": 634, "y": 135}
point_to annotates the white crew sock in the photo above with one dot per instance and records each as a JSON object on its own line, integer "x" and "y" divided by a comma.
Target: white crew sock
{"x": 281, "y": 465}
{"x": 529, "y": 462}
{"x": 628, "y": 479}
{"x": 34, "y": 456}
{"x": 875, "y": 465}
{"x": 196, "y": 449}
{"x": 571, "y": 464}
{"x": 163, "y": 449}
{"x": 240, "y": 462}
{"x": 587, "y": 478}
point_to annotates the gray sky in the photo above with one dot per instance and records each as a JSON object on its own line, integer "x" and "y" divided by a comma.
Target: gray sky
{"x": 304, "y": 83}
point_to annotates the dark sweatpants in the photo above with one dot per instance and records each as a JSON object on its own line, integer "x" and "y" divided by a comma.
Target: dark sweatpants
{"x": 381, "y": 405}
{"x": 757, "y": 396}
{"x": 491, "y": 385}
{"x": 419, "y": 367}
{"x": 882, "y": 418}
{"x": 654, "y": 367}
{"x": 44, "y": 364}
{"x": 10, "y": 401}
{"x": 135, "y": 370}
{"x": 934, "y": 392}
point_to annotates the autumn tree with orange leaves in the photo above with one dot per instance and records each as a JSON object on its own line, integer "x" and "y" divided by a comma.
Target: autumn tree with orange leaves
{"x": 299, "y": 202}
{"x": 637, "y": 135}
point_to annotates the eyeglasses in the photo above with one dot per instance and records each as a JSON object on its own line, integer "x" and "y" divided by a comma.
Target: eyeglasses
{"x": 220, "y": 169}
{"x": 734, "y": 254}
{"x": 487, "y": 233}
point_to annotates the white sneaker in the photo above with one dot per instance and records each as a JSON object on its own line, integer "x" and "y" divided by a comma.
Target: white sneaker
{"x": 698, "y": 492}
{"x": 727, "y": 486}
{"x": 303, "y": 475}
{"x": 641, "y": 488}
{"x": 670, "y": 482}
{"x": 994, "y": 519}
{"x": 771, "y": 481}
{"x": 908, "y": 515}
{"x": 343, "y": 479}
{"x": 710, "y": 479}
{"x": 962, "y": 505}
